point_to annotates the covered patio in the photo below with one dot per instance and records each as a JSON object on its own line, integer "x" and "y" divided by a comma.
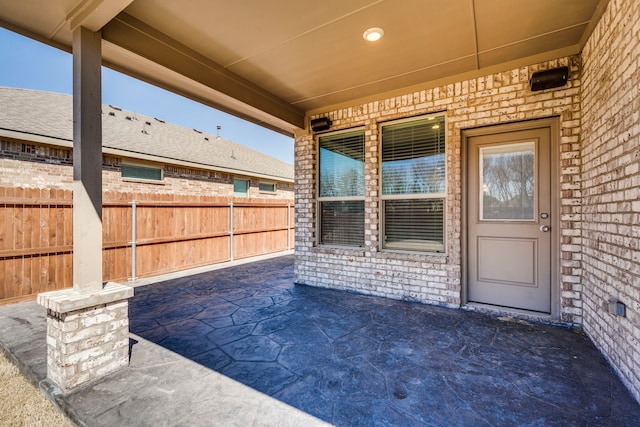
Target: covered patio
{"x": 481, "y": 70}
{"x": 312, "y": 355}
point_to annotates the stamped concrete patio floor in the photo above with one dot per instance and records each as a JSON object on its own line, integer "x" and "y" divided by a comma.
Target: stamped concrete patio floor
{"x": 346, "y": 359}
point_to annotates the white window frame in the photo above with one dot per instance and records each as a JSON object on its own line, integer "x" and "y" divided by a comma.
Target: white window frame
{"x": 320, "y": 199}
{"x": 413, "y": 196}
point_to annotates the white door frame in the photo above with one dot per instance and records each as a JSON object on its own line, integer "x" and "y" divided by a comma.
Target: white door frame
{"x": 553, "y": 124}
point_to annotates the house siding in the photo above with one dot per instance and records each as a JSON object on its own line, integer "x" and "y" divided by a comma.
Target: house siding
{"x": 503, "y": 97}
{"x": 611, "y": 187}
{"x": 34, "y": 165}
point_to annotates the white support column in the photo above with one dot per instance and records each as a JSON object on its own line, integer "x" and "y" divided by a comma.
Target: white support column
{"x": 87, "y": 326}
{"x": 87, "y": 160}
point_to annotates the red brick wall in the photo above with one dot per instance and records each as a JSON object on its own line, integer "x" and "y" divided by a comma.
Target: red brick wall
{"x": 27, "y": 164}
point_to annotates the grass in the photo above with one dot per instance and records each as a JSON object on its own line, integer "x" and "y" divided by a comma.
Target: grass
{"x": 22, "y": 404}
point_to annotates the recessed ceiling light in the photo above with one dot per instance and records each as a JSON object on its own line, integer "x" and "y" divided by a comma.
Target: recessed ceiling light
{"x": 373, "y": 34}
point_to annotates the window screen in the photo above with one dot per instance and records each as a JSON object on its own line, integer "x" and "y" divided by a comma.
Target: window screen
{"x": 341, "y": 189}
{"x": 141, "y": 172}
{"x": 413, "y": 184}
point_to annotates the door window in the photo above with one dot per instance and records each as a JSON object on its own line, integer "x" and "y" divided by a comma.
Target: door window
{"x": 507, "y": 182}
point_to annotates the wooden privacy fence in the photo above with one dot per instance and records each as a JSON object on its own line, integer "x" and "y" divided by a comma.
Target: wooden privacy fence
{"x": 143, "y": 235}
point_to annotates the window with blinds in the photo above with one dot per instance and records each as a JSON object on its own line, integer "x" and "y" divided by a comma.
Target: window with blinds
{"x": 342, "y": 223}
{"x": 341, "y": 189}
{"x": 414, "y": 224}
{"x": 413, "y": 184}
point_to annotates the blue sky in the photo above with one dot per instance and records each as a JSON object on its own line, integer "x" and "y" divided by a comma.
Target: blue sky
{"x": 28, "y": 64}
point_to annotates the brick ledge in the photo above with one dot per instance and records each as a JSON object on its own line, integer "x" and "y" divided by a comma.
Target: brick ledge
{"x": 68, "y": 300}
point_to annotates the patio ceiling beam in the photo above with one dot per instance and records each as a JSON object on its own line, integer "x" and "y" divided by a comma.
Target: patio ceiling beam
{"x": 92, "y": 14}
{"x": 139, "y": 38}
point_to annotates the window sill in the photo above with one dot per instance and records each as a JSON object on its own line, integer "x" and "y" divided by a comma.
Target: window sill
{"x": 339, "y": 250}
{"x": 434, "y": 257}
{"x": 143, "y": 181}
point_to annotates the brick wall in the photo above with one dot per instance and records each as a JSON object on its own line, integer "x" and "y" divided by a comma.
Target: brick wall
{"x": 432, "y": 278}
{"x": 87, "y": 343}
{"x": 611, "y": 186}
{"x": 26, "y": 164}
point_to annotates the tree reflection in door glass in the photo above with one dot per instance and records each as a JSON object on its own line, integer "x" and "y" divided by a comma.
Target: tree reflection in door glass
{"x": 508, "y": 181}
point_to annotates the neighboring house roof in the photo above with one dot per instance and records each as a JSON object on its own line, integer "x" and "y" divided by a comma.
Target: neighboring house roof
{"x": 47, "y": 117}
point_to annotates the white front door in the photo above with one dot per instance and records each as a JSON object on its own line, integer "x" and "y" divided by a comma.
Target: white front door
{"x": 509, "y": 218}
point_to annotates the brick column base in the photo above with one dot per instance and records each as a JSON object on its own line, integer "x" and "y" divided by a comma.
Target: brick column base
{"x": 87, "y": 334}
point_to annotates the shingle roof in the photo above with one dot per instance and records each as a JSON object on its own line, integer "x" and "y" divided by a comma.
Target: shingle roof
{"x": 50, "y": 115}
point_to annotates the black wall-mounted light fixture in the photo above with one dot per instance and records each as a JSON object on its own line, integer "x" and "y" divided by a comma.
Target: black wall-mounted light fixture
{"x": 320, "y": 124}
{"x": 548, "y": 79}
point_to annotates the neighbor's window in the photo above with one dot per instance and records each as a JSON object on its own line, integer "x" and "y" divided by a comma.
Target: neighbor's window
{"x": 241, "y": 187}
{"x": 141, "y": 172}
{"x": 341, "y": 189}
{"x": 413, "y": 184}
{"x": 267, "y": 187}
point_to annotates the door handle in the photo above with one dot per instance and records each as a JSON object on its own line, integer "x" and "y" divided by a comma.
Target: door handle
{"x": 545, "y": 228}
